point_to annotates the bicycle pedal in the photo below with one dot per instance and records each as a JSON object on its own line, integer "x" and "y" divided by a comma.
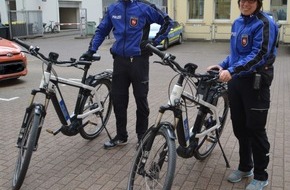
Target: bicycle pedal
{"x": 211, "y": 139}
{"x": 49, "y": 131}
{"x": 53, "y": 132}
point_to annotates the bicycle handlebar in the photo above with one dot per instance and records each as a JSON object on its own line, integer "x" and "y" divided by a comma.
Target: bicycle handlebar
{"x": 20, "y": 42}
{"x": 52, "y": 57}
{"x": 189, "y": 68}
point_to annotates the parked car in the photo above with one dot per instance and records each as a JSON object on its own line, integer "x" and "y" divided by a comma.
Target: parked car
{"x": 274, "y": 16}
{"x": 175, "y": 35}
{"x": 13, "y": 63}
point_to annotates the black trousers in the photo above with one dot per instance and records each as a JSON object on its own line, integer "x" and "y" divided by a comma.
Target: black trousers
{"x": 249, "y": 110}
{"x": 129, "y": 71}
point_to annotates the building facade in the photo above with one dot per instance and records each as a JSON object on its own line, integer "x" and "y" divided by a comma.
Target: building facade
{"x": 212, "y": 19}
{"x": 69, "y": 13}
{"x": 202, "y": 19}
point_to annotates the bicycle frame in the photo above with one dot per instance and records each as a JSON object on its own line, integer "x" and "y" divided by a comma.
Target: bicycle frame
{"x": 53, "y": 93}
{"x": 181, "y": 122}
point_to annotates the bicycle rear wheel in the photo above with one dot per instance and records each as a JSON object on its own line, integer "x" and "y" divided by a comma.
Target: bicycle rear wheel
{"x": 154, "y": 163}
{"x": 55, "y": 28}
{"x": 27, "y": 144}
{"x": 204, "y": 121}
{"x": 97, "y": 121}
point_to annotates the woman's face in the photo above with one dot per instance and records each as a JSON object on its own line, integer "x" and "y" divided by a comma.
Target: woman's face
{"x": 248, "y": 7}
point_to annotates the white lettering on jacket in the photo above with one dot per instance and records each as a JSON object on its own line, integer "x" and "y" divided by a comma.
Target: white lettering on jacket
{"x": 117, "y": 16}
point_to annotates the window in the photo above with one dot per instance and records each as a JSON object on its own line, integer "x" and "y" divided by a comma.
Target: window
{"x": 195, "y": 9}
{"x": 279, "y": 7}
{"x": 222, "y": 9}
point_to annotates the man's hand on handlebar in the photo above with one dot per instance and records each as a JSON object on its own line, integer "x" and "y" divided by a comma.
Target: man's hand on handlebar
{"x": 224, "y": 75}
{"x": 144, "y": 43}
{"x": 87, "y": 56}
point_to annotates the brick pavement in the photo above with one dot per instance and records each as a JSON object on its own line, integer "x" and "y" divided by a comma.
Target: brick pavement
{"x": 72, "y": 163}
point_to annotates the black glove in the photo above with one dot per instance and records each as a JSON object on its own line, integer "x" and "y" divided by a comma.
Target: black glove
{"x": 145, "y": 42}
{"x": 87, "y": 56}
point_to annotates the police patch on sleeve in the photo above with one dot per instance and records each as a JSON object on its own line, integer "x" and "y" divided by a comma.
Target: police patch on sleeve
{"x": 133, "y": 21}
{"x": 245, "y": 40}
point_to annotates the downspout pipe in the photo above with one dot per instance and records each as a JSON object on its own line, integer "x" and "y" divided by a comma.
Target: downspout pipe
{"x": 174, "y": 9}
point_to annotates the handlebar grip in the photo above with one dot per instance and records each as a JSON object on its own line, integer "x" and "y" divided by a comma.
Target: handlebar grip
{"x": 156, "y": 51}
{"x": 96, "y": 57}
{"x": 20, "y": 42}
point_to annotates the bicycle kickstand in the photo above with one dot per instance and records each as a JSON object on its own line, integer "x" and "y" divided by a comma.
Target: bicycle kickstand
{"x": 106, "y": 128}
{"x": 224, "y": 155}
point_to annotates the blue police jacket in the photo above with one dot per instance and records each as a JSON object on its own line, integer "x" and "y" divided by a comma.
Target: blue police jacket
{"x": 252, "y": 44}
{"x": 130, "y": 23}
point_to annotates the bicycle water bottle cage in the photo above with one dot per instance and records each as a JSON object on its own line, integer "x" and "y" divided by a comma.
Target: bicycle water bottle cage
{"x": 53, "y": 56}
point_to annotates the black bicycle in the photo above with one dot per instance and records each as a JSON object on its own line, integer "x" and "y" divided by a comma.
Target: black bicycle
{"x": 91, "y": 113}
{"x": 155, "y": 159}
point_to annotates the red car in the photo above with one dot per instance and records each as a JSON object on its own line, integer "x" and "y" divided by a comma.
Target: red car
{"x": 13, "y": 63}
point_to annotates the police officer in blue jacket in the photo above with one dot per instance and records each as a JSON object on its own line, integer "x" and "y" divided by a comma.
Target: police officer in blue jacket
{"x": 249, "y": 73}
{"x": 130, "y": 22}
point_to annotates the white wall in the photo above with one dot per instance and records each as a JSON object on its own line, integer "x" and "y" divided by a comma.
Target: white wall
{"x": 94, "y": 10}
{"x": 50, "y": 10}
{"x": 3, "y": 12}
{"x": 27, "y": 5}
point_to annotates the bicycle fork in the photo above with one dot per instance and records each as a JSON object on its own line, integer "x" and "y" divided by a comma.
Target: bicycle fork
{"x": 155, "y": 167}
{"x": 33, "y": 109}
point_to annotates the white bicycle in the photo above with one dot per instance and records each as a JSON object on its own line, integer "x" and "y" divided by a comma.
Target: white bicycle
{"x": 91, "y": 113}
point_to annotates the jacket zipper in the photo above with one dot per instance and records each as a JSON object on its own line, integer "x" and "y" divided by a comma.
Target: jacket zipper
{"x": 125, "y": 29}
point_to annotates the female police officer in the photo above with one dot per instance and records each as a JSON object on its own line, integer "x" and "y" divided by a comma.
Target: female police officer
{"x": 130, "y": 21}
{"x": 249, "y": 73}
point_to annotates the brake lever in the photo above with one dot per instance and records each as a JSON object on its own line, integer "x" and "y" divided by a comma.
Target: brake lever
{"x": 160, "y": 62}
{"x": 213, "y": 79}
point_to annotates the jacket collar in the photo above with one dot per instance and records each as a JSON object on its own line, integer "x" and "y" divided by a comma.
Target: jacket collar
{"x": 131, "y": 1}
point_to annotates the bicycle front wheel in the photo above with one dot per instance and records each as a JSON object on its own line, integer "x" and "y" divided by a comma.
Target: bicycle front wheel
{"x": 26, "y": 145}
{"x": 204, "y": 121}
{"x": 154, "y": 163}
{"x": 97, "y": 121}
{"x": 48, "y": 29}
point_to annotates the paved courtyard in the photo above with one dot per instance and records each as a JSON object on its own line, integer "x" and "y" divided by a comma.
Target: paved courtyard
{"x": 73, "y": 163}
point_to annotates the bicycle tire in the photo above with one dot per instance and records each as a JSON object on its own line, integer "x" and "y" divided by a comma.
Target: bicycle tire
{"x": 26, "y": 146}
{"x": 204, "y": 120}
{"x": 55, "y": 29}
{"x": 48, "y": 29}
{"x": 96, "y": 126}
{"x": 149, "y": 175}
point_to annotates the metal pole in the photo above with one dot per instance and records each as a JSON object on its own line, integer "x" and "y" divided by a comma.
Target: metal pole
{"x": 83, "y": 20}
{"x": 9, "y": 19}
